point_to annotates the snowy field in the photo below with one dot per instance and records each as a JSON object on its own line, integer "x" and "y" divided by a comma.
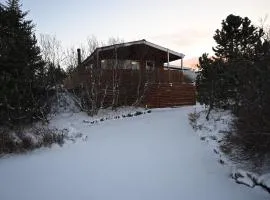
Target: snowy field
{"x": 154, "y": 156}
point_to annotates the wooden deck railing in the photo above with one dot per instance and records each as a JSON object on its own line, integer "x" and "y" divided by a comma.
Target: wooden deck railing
{"x": 159, "y": 88}
{"x": 124, "y": 76}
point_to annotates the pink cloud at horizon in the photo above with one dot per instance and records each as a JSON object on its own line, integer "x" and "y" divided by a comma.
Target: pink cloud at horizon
{"x": 191, "y": 62}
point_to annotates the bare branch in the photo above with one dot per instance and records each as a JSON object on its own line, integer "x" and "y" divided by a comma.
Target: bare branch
{"x": 51, "y": 49}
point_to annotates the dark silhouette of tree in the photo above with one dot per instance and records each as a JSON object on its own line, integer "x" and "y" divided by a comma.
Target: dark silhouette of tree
{"x": 210, "y": 83}
{"x": 238, "y": 39}
{"x": 239, "y": 45}
{"x": 238, "y": 78}
{"x": 21, "y": 66}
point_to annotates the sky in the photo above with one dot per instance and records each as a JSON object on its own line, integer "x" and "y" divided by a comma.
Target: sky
{"x": 184, "y": 26}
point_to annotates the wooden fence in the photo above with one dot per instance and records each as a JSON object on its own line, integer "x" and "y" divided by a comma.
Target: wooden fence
{"x": 158, "y": 88}
{"x": 169, "y": 95}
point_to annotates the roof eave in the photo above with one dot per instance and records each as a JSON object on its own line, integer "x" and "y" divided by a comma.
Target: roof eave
{"x": 181, "y": 55}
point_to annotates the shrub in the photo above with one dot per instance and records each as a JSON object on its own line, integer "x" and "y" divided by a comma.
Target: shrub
{"x": 27, "y": 143}
{"x": 22, "y": 142}
{"x": 50, "y": 138}
{"x": 247, "y": 147}
{"x": 193, "y": 117}
{"x": 7, "y": 143}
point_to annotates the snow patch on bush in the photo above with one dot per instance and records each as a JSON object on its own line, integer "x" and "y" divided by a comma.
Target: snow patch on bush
{"x": 64, "y": 102}
{"x": 213, "y": 132}
{"x": 65, "y": 123}
{"x": 244, "y": 177}
{"x": 251, "y": 179}
{"x": 66, "y": 115}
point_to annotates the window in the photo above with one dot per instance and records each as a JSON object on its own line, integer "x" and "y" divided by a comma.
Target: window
{"x": 135, "y": 65}
{"x": 121, "y": 64}
{"x": 89, "y": 66}
{"x": 107, "y": 64}
{"x": 150, "y": 65}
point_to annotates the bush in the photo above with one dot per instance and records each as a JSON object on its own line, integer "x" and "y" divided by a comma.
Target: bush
{"x": 247, "y": 147}
{"x": 50, "y": 138}
{"x": 7, "y": 143}
{"x": 27, "y": 143}
{"x": 22, "y": 142}
{"x": 193, "y": 117}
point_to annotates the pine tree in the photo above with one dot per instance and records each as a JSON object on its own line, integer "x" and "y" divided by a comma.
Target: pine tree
{"x": 21, "y": 65}
{"x": 255, "y": 109}
{"x": 238, "y": 39}
{"x": 238, "y": 77}
{"x": 211, "y": 83}
{"x": 239, "y": 46}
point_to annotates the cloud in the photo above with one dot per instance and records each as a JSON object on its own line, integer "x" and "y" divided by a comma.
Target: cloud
{"x": 190, "y": 41}
{"x": 192, "y": 62}
{"x": 185, "y": 37}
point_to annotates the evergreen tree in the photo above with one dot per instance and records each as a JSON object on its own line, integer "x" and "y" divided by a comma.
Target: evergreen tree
{"x": 54, "y": 75}
{"x": 238, "y": 78}
{"x": 21, "y": 66}
{"x": 255, "y": 109}
{"x": 211, "y": 83}
{"x": 238, "y": 39}
{"x": 239, "y": 45}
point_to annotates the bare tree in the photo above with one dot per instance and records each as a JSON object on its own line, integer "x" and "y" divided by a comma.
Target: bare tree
{"x": 267, "y": 32}
{"x": 70, "y": 54}
{"x": 116, "y": 66}
{"x": 98, "y": 91}
{"x": 52, "y": 53}
{"x": 94, "y": 92}
{"x": 265, "y": 27}
{"x": 91, "y": 87}
{"x": 51, "y": 49}
{"x": 70, "y": 59}
{"x": 115, "y": 40}
{"x": 92, "y": 44}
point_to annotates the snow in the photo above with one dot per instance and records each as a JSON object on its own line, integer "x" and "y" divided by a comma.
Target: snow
{"x": 243, "y": 177}
{"x": 251, "y": 179}
{"x": 264, "y": 180}
{"x": 213, "y": 131}
{"x": 156, "y": 155}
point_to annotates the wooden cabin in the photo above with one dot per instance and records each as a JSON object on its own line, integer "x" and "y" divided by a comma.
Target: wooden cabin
{"x": 133, "y": 73}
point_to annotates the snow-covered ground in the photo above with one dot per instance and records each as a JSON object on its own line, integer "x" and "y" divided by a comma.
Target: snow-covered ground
{"x": 156, "y": 155}
{"x": 213, "y": 132}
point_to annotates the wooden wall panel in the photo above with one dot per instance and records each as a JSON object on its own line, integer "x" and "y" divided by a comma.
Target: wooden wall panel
{"x": 169, "y": 95}
{"x": 160, "y": 88}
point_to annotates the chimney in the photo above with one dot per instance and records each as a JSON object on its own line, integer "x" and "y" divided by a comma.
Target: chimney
{"x": 79, "y": 57}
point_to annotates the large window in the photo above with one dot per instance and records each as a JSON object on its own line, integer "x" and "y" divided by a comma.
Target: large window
{"x": 107, "y": 64}
{"x": 121, "y": 64}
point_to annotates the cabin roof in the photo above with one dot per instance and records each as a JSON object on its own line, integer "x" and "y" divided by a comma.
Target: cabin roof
{"x": 136, "y": 50}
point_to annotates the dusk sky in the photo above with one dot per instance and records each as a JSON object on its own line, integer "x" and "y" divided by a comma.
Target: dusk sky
{"x": 183, "y": 26}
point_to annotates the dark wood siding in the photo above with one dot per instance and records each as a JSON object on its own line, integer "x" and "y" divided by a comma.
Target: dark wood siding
{"x": 169, "y": 95}
{"x": 158, "y": 88}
